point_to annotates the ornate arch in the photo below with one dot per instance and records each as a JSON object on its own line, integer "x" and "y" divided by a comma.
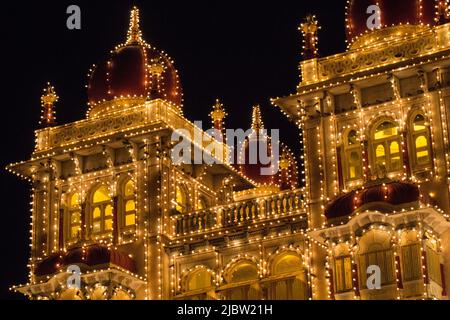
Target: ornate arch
{"x": 233, "y": 264}
{"x": 185, "y": 276}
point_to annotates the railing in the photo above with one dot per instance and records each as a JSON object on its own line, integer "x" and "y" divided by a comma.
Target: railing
{"x": 240, "y": 213}
{"x": 130, "y": 119}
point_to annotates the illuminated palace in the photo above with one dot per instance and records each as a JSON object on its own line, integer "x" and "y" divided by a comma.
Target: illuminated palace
{"x": 372, "y": 186}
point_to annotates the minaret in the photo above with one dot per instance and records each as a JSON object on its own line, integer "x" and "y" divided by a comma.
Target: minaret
{"x": 257, "y": 123}
{"x": 217, "y": 116}
{"x": 48, "y": 100}
{"x": 310, "y": 40}
{"x": 134, "y": 31}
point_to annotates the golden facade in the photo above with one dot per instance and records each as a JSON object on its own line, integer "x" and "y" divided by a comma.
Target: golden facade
{"x": 374, "y": 125}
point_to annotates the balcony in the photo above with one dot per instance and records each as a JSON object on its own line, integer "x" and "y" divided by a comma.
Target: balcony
{"x": 241, "y": 213}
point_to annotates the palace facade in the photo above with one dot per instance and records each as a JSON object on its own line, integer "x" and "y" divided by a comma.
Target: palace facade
{"x": 107, "y": 197}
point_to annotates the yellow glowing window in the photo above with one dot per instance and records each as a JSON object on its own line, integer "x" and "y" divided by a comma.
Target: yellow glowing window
{"x": 73, "y": 200}
{"x": 180, "y": 200}
{"x": 419, "y": 123}
{"x": 108, "y": 211}
{"x": 101, "y": 195}
{"x": 75, "y": 218}
{"x": 129, "y": 189}
{"x": 96, "y": 214}
{"x": 96, "y": 227}
{"x": 352, "y": 172}
{"x": 386, "y": 130}
{"x": 130, "y": 215}
{"x": 394, "y": 147}
{"x": 130, "y": 220}
{"x": 130, "y": 206}
{"x": 421, "y": 142}
{"x": 108, "y": 224}
{"x": 201, "y": 205}
{"x": 380, "y": 151}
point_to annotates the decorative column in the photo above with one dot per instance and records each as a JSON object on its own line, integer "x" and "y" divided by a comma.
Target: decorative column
{"x": 48, "y": 99}
{"x": 115, "y": 220}
{"x": 309, "y": 30}
{"x": 406, "y": 162}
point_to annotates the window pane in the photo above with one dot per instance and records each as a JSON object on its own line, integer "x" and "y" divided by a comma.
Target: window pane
{"x": 380, "y": 152}
{"x": 108, "y": 211}
{"x": 338, "y": 274}
{"x": 419, "y": 123}
{"x": 73, "y": 200}
{"x": 423, "y": 157}
{"x": 101, "y": 195}
{"x": 75, "y": 231}
{"x": 96, "y": 227}
{"x": 129, "y": 189}
{"x": 108, "y": 224}
{"x": 199, "y": 280}
{"x": 75, "y": 217}
{"x": 130, "y": 206}
{"x": 180, "y": 200}
{"x": 96, "y": 214}
{"x": 130, "y": 220}
{"x": 348, "y": 273}
{"x": 385, "y": 130}
{"x": 421, "y": 142}
{"x": 394, "y": 148}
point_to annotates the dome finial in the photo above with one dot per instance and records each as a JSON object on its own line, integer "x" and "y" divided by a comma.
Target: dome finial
{"x": 257, "y": 123}
{"x": 134, "y": 31}
{"x": 48, "y": 100}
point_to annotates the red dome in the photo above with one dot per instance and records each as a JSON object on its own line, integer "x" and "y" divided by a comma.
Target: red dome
{"x": 414, "y": 12}
{"x": 394, "y": 193}
{"x": 135, "y": 69}
{"x": 286, "y": 175}
{"x": 94, "y": 255}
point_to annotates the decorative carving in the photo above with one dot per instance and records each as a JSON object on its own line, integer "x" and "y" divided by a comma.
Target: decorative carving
{"x": 352, "y": 62}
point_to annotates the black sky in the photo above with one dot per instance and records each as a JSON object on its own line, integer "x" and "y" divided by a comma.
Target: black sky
{"x": 242, "y": 52}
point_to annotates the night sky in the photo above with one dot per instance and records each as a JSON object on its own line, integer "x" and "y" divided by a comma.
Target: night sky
{"x": 241, "y": 52}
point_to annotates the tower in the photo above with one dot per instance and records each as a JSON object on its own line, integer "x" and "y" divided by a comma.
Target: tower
{"x": 374, "y": 126}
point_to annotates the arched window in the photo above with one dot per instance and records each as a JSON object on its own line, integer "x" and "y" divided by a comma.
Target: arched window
{"x": 375, "y": 249}
{"x": 181, "y": 202}
{"x": 420, "y": 141}
{"x": 342, "y": 275}
{"x": 74, "y": 211}
{"x": 292, "y": 285}
{"x": 129, "y": 210}
{"x": 102, "y": 211}
{"x": 242, "y": 273}
{"x": 387, "y": 153}
{"x": 199, "y": 279}
{"x": 352, "y": 156}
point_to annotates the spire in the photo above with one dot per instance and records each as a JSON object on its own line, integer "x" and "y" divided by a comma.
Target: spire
{"x": 257, "y": 123}
{"x": 134, "y": 32}
{"x": 48, "y": 100}
{"x": 217, "y": 115}
{"x": 309, "y": 30}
